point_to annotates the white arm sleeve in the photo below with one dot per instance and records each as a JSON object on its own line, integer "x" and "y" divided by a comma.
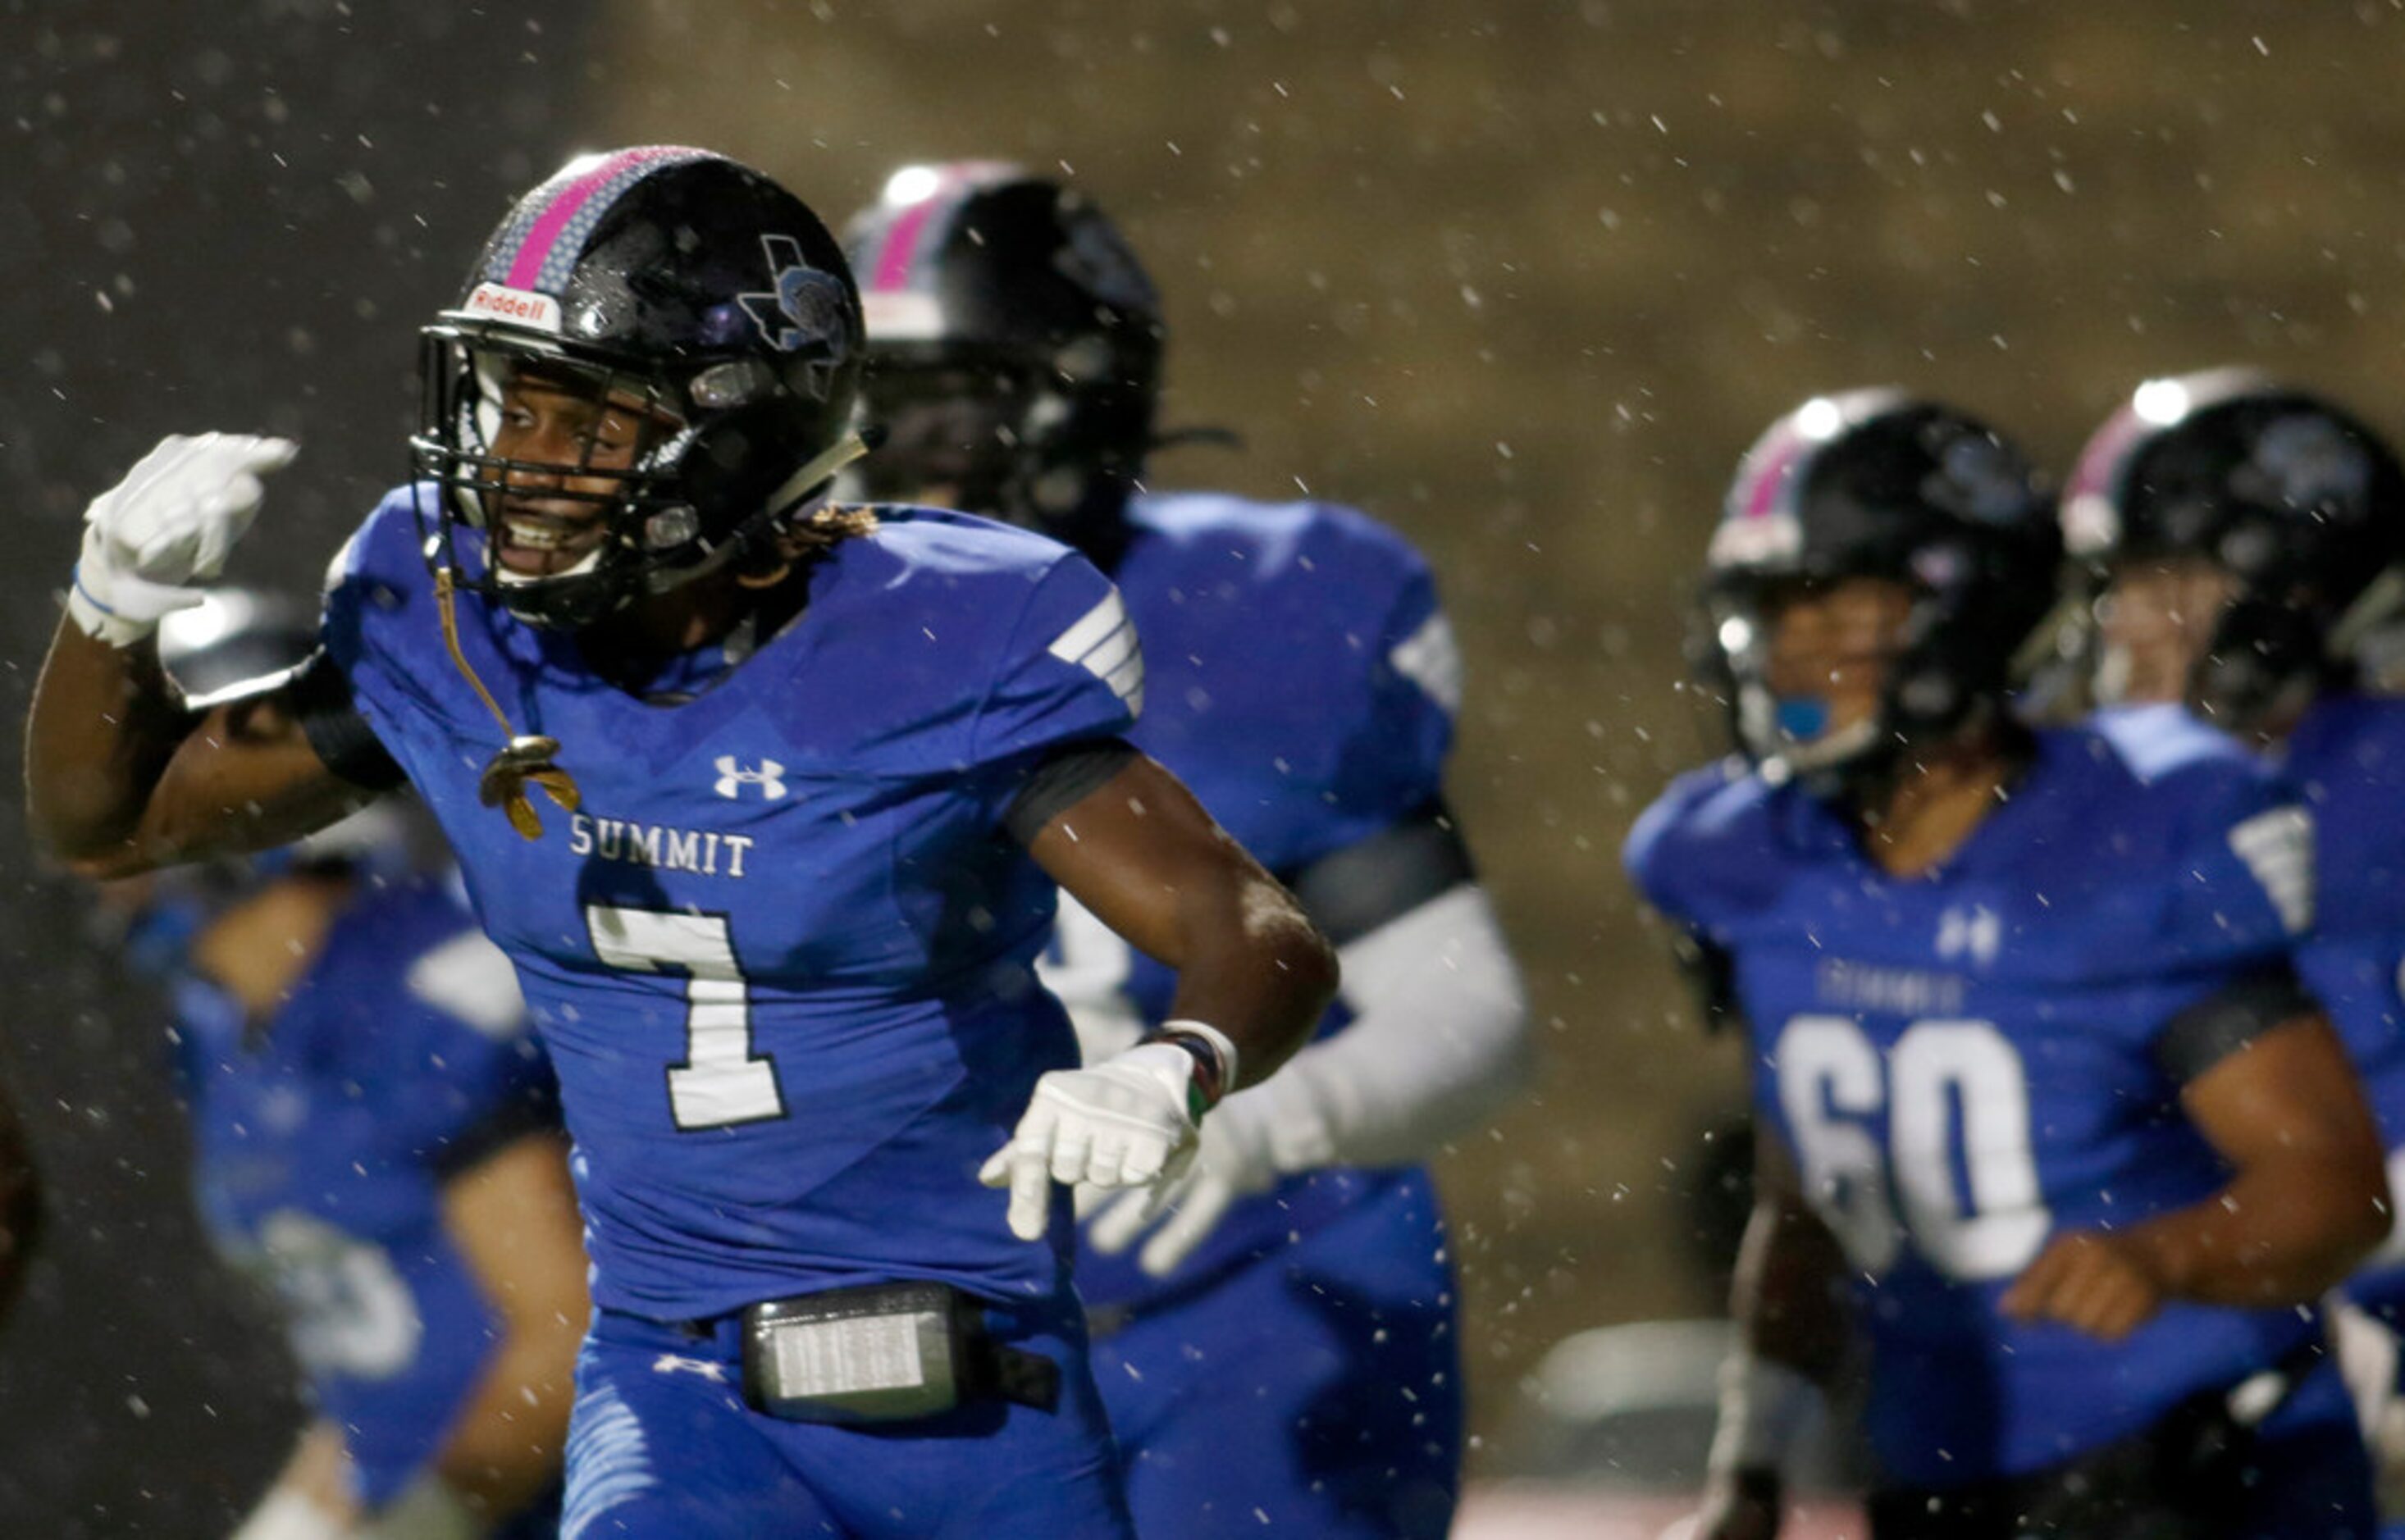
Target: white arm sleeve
{"x": 1439, "y": 1040}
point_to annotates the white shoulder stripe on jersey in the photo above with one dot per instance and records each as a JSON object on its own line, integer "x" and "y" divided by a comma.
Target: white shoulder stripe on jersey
{"x": 1103, "y": 643}
{"x": 1431, "y": 658}
{"x": 2277, "y": 846}
{"x": 1091, "y": 628}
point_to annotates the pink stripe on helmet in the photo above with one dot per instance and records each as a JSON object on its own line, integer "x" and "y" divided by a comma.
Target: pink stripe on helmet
{"x": 528, "y": 262}
{"x": 902, "y": 246}
{"x": 1763, "y": 496}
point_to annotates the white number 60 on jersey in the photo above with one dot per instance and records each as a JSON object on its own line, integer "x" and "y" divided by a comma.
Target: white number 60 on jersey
{"x": 1953, "y": 1091}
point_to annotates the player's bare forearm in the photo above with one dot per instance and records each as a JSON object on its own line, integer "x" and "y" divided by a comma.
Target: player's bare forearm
{"x": 2310, "y": 1198}
{"x": 104, "y": 726}
{"x": 121, "y": 777}
{"x": 1257, "y": 969}
{"x": 1141, "y": 853}
{"x": 514, "y": 1216}
{"x": 2309, "y": 1202}
{"x": 2284, "y": 1233}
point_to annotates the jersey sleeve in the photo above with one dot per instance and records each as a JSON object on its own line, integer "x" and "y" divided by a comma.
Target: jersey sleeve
{"x": 1660, "y": 856}
{"x": 1398, "y": 713}
{"x": 1071, "y": 671}
{"x": 375, "y": 587}
{"x": 2241, "y": 890}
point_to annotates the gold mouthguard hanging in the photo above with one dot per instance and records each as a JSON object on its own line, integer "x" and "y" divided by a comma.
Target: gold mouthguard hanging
{"x": 526, "y": 757}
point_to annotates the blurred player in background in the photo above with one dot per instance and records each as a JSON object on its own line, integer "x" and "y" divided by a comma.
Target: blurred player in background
{"x": 2046, "y": 1118}
{"x": 809, "y": 778}
{"x": 2240, "y": 543}
{"x": 1275, "y": 1336}
{"x": 377, "y": 1140}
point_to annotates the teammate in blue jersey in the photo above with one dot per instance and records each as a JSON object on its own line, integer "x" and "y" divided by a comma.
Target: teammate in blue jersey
{"x": 1277, "y": 1337}
{"x": 377, "y": 1140}
{"x": 2048, "y": 1122}
{"x": 767, "y": 802}
{"x": 2242, "y": 544}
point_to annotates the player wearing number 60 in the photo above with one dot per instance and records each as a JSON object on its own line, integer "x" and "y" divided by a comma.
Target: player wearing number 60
{"x": 766, "y": 801}
{"x": 2047, "y": 1120}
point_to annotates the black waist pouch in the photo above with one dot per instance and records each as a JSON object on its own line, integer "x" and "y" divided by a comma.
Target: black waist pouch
{"x": 885, "y": 1352}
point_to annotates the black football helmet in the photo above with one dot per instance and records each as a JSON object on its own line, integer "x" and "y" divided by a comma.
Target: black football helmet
{"x": 678, "y": 279}
{"x": 2294, "y": 496}
{"x": 1014, "y": 348}
{"x": 234, "y": 642}
{"x": 1876, "y": 484}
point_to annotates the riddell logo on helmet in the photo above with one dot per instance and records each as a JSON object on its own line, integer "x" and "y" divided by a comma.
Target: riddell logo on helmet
{"x": 524, "y": 306}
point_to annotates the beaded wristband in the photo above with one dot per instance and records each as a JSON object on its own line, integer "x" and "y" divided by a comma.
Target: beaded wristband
{"x": 1214, "y": 1060}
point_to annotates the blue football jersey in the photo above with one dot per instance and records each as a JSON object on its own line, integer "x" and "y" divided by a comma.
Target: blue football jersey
{"x": 323, "y": 1142}
{"x": 1301, "y": 679}
{"x": 1961, "y": 1064}
{"x": 2347, "y": 759}
{"x": 782, "y": 955}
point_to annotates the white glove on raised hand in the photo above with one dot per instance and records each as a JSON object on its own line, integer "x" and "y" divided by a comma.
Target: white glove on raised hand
{"x": 166, "y": 527}
{"x": 1127, "y": 1122}
{"x": 1234, "y": 1160}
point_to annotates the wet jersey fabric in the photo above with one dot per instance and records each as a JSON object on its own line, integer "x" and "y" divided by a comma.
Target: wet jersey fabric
{"x": 1963, "y": 1064}
{"x": 1301, "y": 678}
{"x": 323, "y": 1140}
{"x": 782, "y": 956}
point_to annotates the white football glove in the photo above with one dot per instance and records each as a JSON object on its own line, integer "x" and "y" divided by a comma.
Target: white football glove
{"x": 168, "y": 525}
{"x": 1234, "y": 1160}
{"x": 1127, "y": 1122}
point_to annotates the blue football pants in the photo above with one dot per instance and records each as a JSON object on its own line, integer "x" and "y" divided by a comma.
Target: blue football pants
{"x": 661, "y": 1447}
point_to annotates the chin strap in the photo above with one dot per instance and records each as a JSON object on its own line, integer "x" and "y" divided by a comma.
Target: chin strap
{"x": 526, "y": 757}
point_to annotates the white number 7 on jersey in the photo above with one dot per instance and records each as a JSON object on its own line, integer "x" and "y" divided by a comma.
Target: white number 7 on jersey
{"x": 719, "y": 1083}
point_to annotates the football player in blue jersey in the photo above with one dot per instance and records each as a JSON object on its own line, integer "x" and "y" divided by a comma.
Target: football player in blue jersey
{"x": 377, "y": 1140}
{"x": 2047, "y": 1120}
{"x": 767, "y": 802}
{"x": 1276, "y": 1336}
{"x": 2241, "y": 545}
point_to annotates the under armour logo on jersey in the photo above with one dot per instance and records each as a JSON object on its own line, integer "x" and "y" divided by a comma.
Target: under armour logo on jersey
{"x": 672, "y": 1363}
{"x": 1103, "y": 643}
{"x": 1976, "y": 933}
{"x": 733, "y": 778}
{"x": 2277, "y": 846}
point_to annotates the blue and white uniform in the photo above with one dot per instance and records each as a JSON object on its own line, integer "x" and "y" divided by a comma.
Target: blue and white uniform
{"x": 1964, "y": 1063}
{"x": 782, "y": 958}
{"x": 324, "y": 1136}
{"x": 2346, "y": 761}
{"x": 1299, "y": 1372}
